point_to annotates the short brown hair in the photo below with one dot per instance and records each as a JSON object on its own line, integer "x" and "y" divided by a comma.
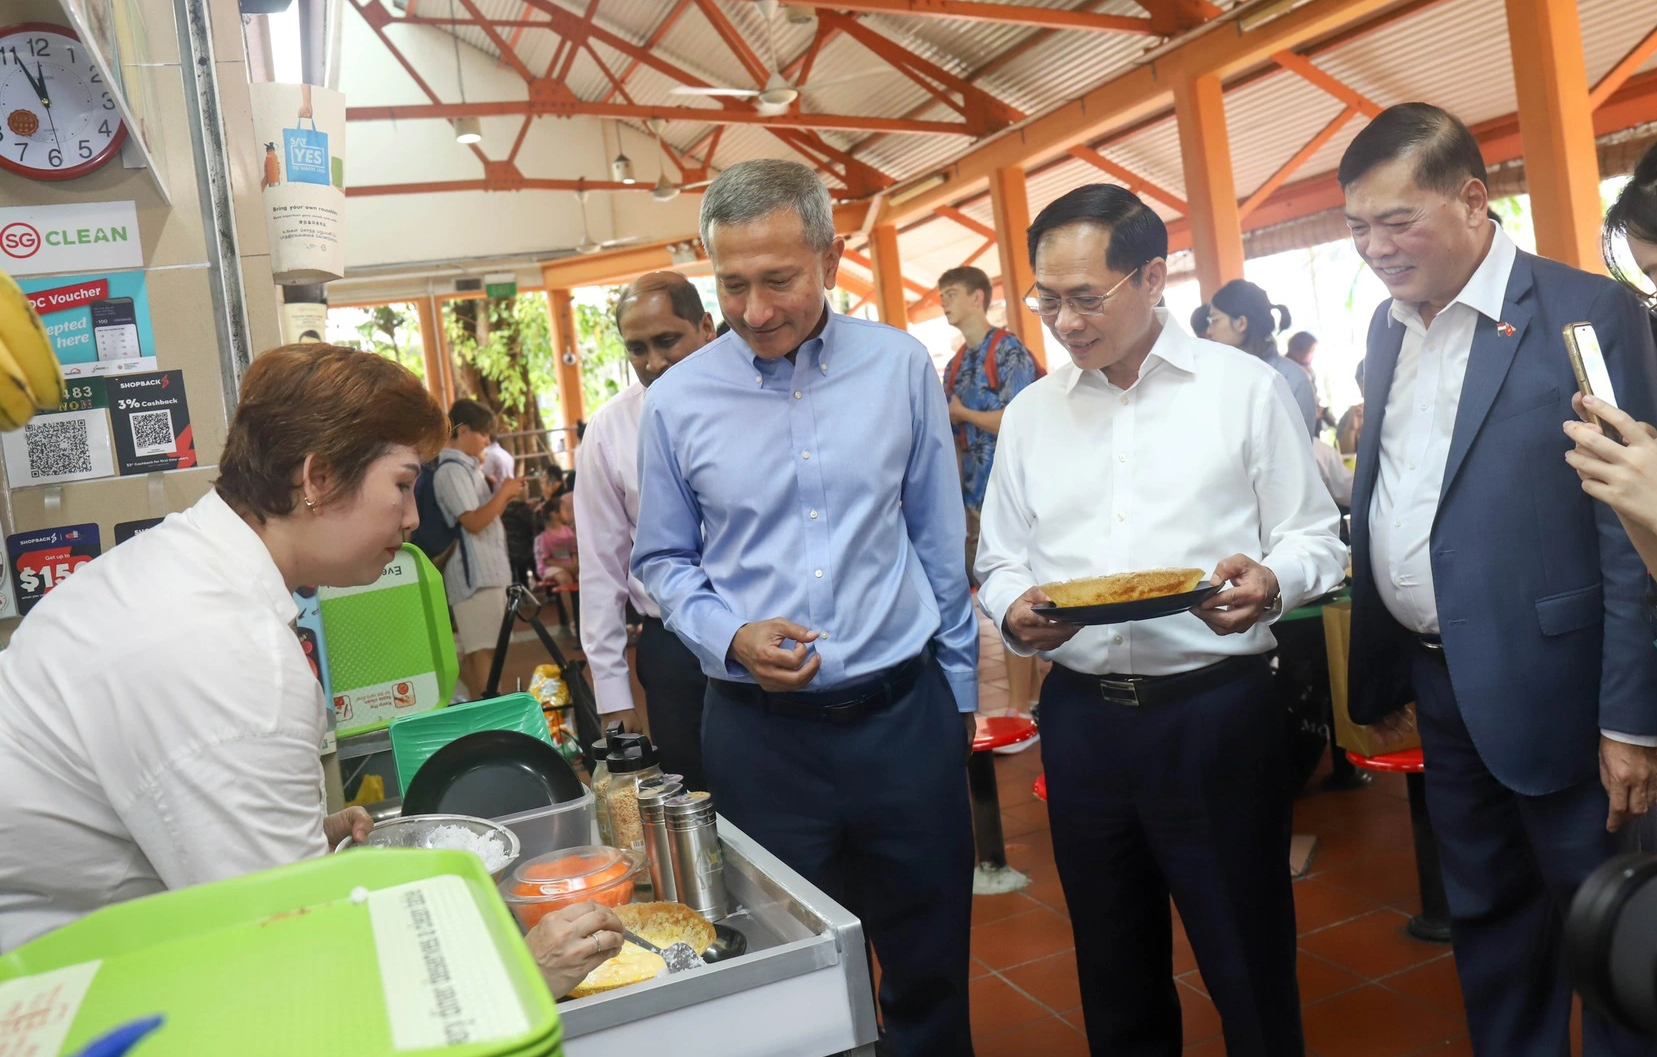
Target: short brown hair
{"x": 969, "y": 279}
{"x": 471, "y": 414}
{"x": 341, "y": 405}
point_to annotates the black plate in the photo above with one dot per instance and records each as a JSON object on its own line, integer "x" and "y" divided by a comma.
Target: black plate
{"x": 1123, "y": 612}
{"x": 489, "y": 774}
{"x": 728, "y": 943}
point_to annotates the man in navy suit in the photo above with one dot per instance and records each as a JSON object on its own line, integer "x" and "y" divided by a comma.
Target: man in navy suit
{"x": 1488, "y": 588}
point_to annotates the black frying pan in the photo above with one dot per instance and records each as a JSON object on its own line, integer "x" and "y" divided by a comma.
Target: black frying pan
{"x": 489, "y": 774}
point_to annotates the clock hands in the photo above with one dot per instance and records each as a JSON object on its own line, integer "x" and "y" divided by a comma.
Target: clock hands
{"x": 45, "y": 101}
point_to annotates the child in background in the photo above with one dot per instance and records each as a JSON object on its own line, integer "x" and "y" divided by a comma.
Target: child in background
{"x": 555, "y": 555}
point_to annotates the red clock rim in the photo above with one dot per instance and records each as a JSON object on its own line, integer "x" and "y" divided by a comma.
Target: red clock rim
{"x": 92, "y": 164}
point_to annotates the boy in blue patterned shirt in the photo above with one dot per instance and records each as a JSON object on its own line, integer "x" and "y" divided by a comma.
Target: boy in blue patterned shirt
{"x": 991, "y": 368}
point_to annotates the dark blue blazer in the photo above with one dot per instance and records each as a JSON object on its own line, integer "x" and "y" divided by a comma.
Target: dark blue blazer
{"x": 1541, "y": 597}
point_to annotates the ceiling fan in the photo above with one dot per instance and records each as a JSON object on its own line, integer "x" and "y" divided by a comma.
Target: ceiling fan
{"x": 778, "y": 94}
{"x": 587, "y": 245}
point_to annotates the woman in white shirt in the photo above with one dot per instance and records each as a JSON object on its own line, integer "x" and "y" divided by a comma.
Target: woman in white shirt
{"x": 160, "y": 725}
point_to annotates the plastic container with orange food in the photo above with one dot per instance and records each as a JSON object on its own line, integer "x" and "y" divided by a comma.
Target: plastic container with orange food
{"x": 537, "y": 887}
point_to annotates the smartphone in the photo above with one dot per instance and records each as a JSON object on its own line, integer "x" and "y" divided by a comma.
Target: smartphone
{"x": 1588, "y": 364}
{"x": 115, "y": 328}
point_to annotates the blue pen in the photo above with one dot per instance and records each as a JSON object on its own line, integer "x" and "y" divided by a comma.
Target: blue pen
{"x": 122, "y": 1039}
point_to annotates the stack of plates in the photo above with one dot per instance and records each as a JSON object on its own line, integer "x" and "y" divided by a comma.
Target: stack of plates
{"x": 378, "y": 952}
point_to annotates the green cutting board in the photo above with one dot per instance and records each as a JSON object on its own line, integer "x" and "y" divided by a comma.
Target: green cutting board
{"x": 370, "y": 952}
{"x": 391, "y": 650}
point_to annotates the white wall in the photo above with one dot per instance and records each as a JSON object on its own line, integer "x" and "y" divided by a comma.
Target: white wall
{"x": 402, "y": 228}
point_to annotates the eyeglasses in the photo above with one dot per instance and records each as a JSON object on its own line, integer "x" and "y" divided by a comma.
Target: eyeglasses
{"x": 1086, "y": 305}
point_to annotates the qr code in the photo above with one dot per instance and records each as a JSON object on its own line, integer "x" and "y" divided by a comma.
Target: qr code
{"x": 58, "y": 447}
{"x": 152, "y": 433}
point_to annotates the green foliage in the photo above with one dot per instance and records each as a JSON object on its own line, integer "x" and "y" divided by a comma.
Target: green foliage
{"x": 393, "y": 331}
{"x": 515, "y": 358}
{"x": 604, "y": 367}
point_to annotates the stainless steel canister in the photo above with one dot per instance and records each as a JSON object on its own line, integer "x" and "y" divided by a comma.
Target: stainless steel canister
{"x": 698, "y": 859}
{"x": 653, "y": 815}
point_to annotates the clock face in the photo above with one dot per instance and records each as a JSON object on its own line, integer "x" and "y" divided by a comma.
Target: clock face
{"x": 57, "y": 117}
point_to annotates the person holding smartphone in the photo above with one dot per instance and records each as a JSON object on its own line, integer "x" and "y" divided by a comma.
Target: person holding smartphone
{"x": 1488, "y": 589}
{"x": 1624, "y": 476}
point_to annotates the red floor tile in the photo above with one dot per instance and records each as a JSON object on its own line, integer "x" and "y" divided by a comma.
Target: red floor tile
{"x": 986, "y": 909}
{"x": 1319, "y": 904}
{"x": 1214, "y": 1047}
{"x": 997, "y": 1006}
{"x": 1050, "y": 981}
{"x": 1434, "y": 983}
{"x": 1374, "y": 1022}
{"x": 1386, "y": 877}
{"x": 1461, "y": 1046}
{"x": 1319, "y": 979}
{"x": 1021, "y": 938}
{"x": 1184, "y": 959}
{"x": 1052, "y": 1037}
{"x": 1023, "y": 819}
{"x": 1372, "y": 946}
{"x": 1197, "y": 1012}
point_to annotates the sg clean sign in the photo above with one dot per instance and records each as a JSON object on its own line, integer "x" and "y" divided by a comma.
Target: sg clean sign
{"x": 88, "y": 236}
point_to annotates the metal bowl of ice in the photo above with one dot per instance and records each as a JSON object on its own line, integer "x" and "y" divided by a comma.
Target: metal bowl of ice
{"x": 490, "y": 841}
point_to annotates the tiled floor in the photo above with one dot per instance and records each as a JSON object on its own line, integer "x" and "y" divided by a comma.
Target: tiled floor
{"x": 1367, "y": 988}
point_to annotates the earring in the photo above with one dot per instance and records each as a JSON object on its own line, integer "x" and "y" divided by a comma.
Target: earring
{"x": 310, "y": 504}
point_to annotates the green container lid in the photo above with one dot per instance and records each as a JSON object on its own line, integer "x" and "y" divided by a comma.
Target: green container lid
{"x": 366, "y": 953}
{"x": 391, "y": 648}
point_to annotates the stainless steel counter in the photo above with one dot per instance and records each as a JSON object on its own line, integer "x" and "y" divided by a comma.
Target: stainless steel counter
{"x": 802, "y": 990}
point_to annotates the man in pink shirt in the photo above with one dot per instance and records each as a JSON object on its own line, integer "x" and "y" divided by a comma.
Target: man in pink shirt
{"x": 661, "y": 321}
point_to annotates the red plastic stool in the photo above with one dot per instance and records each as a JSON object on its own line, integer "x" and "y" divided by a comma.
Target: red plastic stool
{"x": 1040, "y": 788}
{"x": 1433, "y": 923}
{"x": 993, "y": 733}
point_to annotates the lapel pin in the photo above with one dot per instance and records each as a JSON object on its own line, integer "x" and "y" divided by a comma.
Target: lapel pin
{"x": 1505, "y": 329}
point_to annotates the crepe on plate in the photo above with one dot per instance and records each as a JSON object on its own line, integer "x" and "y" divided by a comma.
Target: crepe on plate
{"x": 663, "y": 924}
{"x": 1123, "y": 587}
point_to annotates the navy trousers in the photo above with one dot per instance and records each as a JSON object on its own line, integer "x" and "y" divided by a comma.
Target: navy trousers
{"x": 1511, "y": 865}
{"x": 674, "y": 687}
{"x": 876, "y": 814}
{"x": 1184, "y": 798}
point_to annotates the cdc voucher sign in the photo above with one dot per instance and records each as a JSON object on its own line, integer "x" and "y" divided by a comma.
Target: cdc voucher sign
{"x": 85, "y": 237}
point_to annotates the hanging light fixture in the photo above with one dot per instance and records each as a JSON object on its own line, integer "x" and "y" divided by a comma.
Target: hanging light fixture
{"x": 468, "y": 130}
{"x": 622, "y": 169}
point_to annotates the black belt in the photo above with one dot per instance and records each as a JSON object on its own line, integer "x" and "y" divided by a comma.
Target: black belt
{"x": 1144, "y": 691}
{"x": 1434, "y": 647}
{"x": 845, "y": 704}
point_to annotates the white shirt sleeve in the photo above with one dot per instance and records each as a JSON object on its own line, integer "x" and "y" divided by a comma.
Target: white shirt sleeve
{"x": 245, "y": 795}
{"x": 1332, "y": 468}
{"x": 1299, "y": 526}
{"x": 1004, "y": 527}
{"x": 604, "y": 543}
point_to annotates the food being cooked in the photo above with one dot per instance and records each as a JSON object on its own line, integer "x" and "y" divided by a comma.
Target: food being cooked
{"x": 663, "y": 924}
{"x": 1123, "y": 587}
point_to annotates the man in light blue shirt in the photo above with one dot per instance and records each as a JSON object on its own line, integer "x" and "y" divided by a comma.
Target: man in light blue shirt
{"x": 800, "y": 525}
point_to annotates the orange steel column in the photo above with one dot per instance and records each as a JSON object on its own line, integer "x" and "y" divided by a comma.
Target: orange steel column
{"x": 1010, "y": 205}
{"x": 431, "y": 346}
{"x": 888, "y": 269}
{"x": 567, "y": 361}
{"x": 1210, "y": 190}
{"x": 1557, "y": 130}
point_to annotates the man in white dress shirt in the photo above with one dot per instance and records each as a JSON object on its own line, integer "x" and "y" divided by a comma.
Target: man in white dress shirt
{"x": 1487, "y": 587}
{"x": 661, "y": 321}
{"x": 1164, "y": 753}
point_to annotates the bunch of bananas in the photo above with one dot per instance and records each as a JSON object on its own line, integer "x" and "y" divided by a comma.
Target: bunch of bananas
{"x": 30, "y": 379}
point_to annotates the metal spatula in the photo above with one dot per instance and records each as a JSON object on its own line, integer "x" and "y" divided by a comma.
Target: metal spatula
{"x": 679, "y": 956}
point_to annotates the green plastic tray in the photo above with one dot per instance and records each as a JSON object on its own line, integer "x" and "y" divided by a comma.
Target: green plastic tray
{"x": 415, "y": 738}
{"x": 286, "y": 962}
{"x": 391, "y": 648}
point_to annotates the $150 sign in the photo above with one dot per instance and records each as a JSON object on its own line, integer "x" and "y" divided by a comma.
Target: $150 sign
{"x": 41, "y": 561}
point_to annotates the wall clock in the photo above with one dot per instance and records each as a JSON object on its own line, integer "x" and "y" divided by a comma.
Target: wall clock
{"x": 57, "y": 117}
